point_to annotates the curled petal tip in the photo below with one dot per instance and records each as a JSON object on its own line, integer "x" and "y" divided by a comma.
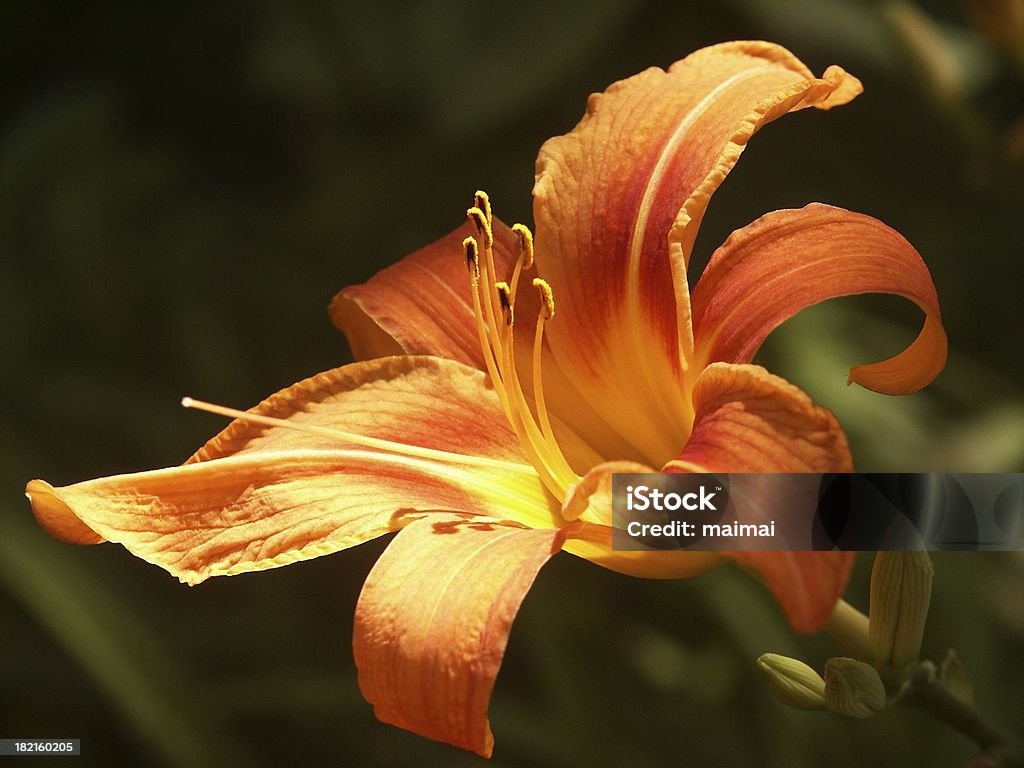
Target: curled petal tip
{"x": 56, "y": 517}
{"x": 911, "y": 370}
{"x": 844, "y": 86}
{"x": 788, "y": 260}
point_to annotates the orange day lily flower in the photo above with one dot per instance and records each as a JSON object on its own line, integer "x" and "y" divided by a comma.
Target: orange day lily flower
{"x": 484, "y": 427}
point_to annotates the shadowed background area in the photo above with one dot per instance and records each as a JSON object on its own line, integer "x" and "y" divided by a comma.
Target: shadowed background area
{"x": 183, "y": 189}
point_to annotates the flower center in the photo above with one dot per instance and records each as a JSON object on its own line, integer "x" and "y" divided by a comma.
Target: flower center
{"x": 494, "y": 303}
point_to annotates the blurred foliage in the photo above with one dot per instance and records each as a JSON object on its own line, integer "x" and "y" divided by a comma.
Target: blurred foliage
{"x": 183, "y": 188}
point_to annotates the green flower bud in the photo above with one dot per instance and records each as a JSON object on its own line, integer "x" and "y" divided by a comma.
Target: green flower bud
{"x": 901, "y": 589}
{"x": 853, "y": 688}
{"x": 793, "y": 682}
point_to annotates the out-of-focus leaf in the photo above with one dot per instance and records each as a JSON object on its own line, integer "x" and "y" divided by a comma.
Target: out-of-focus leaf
{"x": 848, "y": 30}
{"x": 151, "y": 690}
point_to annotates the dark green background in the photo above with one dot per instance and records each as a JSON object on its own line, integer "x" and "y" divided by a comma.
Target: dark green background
{"x": 183, "y": 187}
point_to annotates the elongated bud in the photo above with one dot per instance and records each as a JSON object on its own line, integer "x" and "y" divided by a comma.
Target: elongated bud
{"x": 793, "y": 682}
{"x": 853, "y": 688}
{"x": 901, "y": 590}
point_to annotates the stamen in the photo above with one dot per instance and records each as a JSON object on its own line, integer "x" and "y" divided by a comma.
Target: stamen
{"x": 489, "y": 278}
{"x": 546, "y": 296}
{"x": 540, "y": 438}
{"x": 486, "y": 344}
{"x": 472, "y": 255}
{"x": 544, "y": 453}
{"x": 525, "y": 244}
{"x": 390, "y": 446}
{"x": 546, "y": 313}
{"x": 525, "y": 259}
{"x": 483, "y": 226}
{"x": 506, "y": 302}
{"x": 483, "y": 202}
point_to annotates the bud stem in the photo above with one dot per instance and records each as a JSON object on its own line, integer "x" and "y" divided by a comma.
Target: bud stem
{"x": 924, "y": 689}
{"x": 849, "y": 628}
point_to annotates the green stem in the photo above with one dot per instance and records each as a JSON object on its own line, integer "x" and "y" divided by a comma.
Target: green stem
{"x": 925, "y": 690}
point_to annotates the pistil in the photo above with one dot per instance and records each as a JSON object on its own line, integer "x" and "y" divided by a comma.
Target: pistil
{"x": 340, "y": 435}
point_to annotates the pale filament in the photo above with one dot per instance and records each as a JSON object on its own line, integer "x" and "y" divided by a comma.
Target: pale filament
{"x": 494, "y": 299}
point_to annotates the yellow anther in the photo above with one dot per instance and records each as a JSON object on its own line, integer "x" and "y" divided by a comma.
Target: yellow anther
{"x": 525, "y": 258}
{"x": 546, "y": 296}
{"x": 525, "y": 244}
{"x": 506, "y": 301}
{"x": 901, "y": 591}
{"x": 483, "y": 226}
{"x": 472, "y": 255}
{"x": 483, "y": 202}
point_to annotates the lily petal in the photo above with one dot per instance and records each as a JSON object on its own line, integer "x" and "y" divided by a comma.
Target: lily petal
{"x": 256, "y": 497}
{"x": 751, "y": 421}
{"x": 433, "y": 620}
{"x": 788, "y": 260}
{"x": 617, "y": 204}
{"x": 422, "y": 303}
{"x": 748, "y": 420}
